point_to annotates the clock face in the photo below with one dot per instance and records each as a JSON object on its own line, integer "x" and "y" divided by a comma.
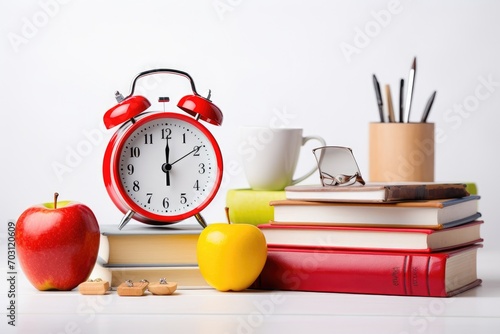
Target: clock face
{"x": 168, "y": 166}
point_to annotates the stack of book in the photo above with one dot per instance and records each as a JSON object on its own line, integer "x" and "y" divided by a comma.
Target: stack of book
{"x": 150, "y": 252}
{"x": 392, "y": 239}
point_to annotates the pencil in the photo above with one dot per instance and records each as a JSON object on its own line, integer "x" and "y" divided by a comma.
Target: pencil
{"x": 409, "y": 91}
{"x": 390, "y": 109}
{"x": 428, "y": 108}
{"x": 378, "y": 95}
{"x": 401, "y": 100}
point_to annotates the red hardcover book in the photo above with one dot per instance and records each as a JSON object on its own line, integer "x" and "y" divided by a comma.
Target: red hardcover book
{"x": 442, "y": 274}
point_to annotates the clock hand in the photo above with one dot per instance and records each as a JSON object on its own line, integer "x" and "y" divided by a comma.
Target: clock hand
{"x": 195, "y": 149}
{"x": 166, "y": 167}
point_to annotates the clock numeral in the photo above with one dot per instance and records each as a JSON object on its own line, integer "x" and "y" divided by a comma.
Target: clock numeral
{"x": 183, "y": 198}
{"x": 166, "y": 204}
{"x": 196, "y": 185}
{"x": 130, "y": 169}
{"x": 183, "y": 138}
{"x": 202, "y": 168}
{"x": 148, "y": 139}
{"x": 149, "y": 195}
{"x": 136, "y": 186}
{"x": 135, "y": 152}
{"x": 165, "y": 133}
{"x": 197, "y": 151}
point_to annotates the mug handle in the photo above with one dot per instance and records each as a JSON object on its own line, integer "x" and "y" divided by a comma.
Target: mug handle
{"x": 309, "y": 173}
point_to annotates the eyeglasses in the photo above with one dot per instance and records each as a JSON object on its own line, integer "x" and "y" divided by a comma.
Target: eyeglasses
{"x": 337, "y": 166}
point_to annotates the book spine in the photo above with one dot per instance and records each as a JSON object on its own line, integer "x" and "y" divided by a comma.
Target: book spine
{"x": 354, "y": 272}
{"x": 251, "y": 206}
{"x": 423, "y": 192}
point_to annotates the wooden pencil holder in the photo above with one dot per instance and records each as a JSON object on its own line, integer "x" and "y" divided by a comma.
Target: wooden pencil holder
{"x": 401, "y": 152}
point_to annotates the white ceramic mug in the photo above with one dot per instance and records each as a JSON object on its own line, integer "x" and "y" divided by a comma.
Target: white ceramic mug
{"x": 270, "y": 156}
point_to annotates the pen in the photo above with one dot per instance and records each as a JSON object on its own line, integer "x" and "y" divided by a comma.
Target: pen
{"x": 390, "y": 109}
{"x": 401, "y": 103}
{"x": 409, "y": 91}
{"x": 428, "y": 108}
{"x": 379, "y": 98}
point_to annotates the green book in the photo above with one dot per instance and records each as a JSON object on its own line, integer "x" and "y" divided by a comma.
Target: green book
{"x": 251, "y": 206}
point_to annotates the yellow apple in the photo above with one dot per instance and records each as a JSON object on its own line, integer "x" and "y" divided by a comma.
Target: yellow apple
{"x": 231, "y": 256}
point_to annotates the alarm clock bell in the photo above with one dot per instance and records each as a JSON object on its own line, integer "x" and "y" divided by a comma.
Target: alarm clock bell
{"x": 133, "y": 105}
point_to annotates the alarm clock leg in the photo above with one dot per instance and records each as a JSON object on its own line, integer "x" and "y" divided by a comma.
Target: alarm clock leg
{"x": 126, "y": 219}
{"x": 200, "y": 220}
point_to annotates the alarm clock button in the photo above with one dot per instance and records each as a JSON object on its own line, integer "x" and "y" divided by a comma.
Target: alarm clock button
{"x": 197, "y": 105}
{"x": 125, "y": 110}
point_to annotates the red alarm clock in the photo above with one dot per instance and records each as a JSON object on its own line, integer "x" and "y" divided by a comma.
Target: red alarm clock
{"x": 162, "y": 167}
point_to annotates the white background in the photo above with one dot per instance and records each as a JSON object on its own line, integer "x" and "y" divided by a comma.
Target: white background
{"x": 302, "y": 64}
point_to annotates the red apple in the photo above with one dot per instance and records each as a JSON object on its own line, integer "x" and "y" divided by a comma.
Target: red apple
{"x": 57, "y": 244}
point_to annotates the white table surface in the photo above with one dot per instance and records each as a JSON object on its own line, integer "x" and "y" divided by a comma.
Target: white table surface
{"x": 209, "y": 311}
